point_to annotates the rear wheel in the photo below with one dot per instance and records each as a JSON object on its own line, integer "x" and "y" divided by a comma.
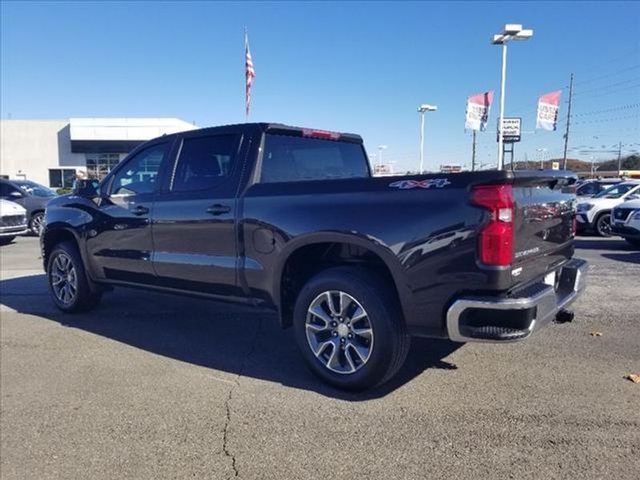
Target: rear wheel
{"x": 67, "y": 280}
{"x": 35, "y": 224}
{"x": 603, "y": 225}
{"x": 350, "y": 329}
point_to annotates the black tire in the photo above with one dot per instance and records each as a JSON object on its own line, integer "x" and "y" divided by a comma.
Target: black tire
{"x": 35, "y": 224}
{"x": 84, "y": 298}
{"x": 6, "y": 240}
{"x": 603, "y": 225}
{"x": 634, "y": 242}
{"x": 389, "y": 341}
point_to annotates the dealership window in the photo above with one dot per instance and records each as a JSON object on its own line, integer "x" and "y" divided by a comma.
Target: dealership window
{"x": 100, "y": 164}
{"x": 61, "y": 177}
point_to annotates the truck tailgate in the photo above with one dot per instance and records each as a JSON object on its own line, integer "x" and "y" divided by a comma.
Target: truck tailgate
{"x": 543, "y": 223}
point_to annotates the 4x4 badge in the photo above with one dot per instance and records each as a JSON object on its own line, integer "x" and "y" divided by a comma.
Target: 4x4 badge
{"x": 434, "y": 182}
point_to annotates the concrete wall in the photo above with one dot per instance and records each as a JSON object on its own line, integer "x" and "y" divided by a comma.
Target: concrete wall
{"x": 32, "y": 147}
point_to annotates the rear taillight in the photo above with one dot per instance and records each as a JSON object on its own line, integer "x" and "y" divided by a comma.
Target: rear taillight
{"x": 495, "y": 244}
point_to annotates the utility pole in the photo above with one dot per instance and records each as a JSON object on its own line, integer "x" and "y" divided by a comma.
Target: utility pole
{"x": 566, "y": 134}
{"x": 619, "y": 157}
{"x": 473, "y": 153}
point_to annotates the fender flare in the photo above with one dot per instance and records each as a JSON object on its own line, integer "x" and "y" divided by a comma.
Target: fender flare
{"x": 388, "y": 258}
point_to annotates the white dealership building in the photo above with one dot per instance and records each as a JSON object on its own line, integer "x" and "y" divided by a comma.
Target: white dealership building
{"x": 50, "y": 152}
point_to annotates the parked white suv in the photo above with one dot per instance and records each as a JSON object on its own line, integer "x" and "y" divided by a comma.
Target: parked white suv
{"x": 595, "y": 213}
{"x": 625, "y": 221}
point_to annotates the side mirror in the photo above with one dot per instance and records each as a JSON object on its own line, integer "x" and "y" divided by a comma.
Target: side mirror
{"x": 86, "y": 188}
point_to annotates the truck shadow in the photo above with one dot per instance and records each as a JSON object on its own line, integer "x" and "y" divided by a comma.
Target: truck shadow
{"x": 223, "y": 337}
{"x": 631, "y": 257}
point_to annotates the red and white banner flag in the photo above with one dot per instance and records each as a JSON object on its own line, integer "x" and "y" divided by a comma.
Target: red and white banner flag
{"x": 250, "y": 73}
{"x": 548, "y": 107}
{"x": 478, "y": 111}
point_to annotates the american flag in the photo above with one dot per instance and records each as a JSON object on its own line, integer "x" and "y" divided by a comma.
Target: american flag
{"x": 250, "y": 73}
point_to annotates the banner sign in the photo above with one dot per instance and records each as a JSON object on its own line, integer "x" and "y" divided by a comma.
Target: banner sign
{"x": 478, "y": 111}
{"x": 511, "y": 128}
{"x": 548, "y": 106}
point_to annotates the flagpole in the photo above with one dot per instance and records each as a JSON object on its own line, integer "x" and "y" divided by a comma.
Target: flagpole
{"x": 473, "y": 152}
{"x": 246, "y": 43}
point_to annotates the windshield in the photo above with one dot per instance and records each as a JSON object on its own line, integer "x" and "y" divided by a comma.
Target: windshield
{"x": 35, "y": 189}
{"x": 616, "y": 191}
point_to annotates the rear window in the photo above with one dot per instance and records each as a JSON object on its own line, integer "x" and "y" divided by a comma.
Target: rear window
{"x": 296, "y": 159}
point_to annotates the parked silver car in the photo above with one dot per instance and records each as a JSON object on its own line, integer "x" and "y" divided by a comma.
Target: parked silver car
{"x": 13, "y": 221}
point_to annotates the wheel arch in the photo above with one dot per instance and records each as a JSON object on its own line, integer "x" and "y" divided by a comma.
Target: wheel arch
{"x": 337, "y": 249}
{"x": 53, "y": 236}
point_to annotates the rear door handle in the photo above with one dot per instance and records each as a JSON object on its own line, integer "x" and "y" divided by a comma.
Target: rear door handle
{"x": 218, "y": 209}
{"x": 140, "y": 210}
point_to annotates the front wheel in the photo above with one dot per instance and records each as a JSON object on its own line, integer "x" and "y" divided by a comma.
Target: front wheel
{"x": 350, "y": 329}
{"x": 67, "y": 280}
{"x": 603, "y": 225}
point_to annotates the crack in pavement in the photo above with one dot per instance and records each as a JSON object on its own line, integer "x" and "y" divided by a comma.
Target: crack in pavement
{"x": 227, "y": 403}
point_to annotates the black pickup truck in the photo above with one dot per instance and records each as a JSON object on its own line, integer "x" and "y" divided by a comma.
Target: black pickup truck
{"x": 291, "y": 219}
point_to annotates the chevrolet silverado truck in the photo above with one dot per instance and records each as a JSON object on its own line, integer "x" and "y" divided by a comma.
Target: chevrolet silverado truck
{"x": 291, "y": 219}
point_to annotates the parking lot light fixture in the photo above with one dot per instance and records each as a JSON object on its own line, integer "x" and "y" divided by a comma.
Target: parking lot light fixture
{"x": 511, "y": 31}
{"x": 380, "y": 149}
{"x": 421, "y": 110}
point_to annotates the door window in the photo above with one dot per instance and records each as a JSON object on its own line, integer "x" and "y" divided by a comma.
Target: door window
{"x": 7, "y": 189}
{"x": 204, "y": 162}
{"x": 140, "y": 173}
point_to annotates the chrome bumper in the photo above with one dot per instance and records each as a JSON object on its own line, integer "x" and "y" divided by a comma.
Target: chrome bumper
{"x": 486, "y": 319}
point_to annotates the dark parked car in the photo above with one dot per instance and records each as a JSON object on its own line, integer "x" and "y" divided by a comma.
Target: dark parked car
{"x": 32, "y": 196}
{"x": 291, "y": 219}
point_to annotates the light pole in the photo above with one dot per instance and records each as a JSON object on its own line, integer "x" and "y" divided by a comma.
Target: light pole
{"x": 421, "y": 110}
{"x": 542, "y": 155}
{"x": 510, "y": 32}
{"x": 380, "y": 149}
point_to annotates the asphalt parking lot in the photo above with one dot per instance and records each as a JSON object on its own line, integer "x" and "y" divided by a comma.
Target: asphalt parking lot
{"x": 155, "y": 386}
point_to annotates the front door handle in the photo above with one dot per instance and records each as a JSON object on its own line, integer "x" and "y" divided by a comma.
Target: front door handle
{"x": 140, "y": 210}
{"x": 218, "y": 209}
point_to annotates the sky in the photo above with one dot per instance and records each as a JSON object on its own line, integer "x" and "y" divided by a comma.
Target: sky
{"x": 360, "y": 67}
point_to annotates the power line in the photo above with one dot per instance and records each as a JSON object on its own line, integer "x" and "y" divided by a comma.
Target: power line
{"x": 610, "y": 119}
{"x": 607, "y": 75}
{"x": 608, "y": 110}
{"x": 606, "y": 87}
{"x": 630, "y": 87}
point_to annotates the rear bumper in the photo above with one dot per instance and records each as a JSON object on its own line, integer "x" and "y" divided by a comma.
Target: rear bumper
{"x": 516, "y": 317}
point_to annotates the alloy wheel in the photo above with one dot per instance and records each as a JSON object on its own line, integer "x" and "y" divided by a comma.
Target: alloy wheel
{"x": 37, "y": 223}
{"x": 604, "y": 225}
{"x": 339, "y": 332}
{"x": 64, "y": 279}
